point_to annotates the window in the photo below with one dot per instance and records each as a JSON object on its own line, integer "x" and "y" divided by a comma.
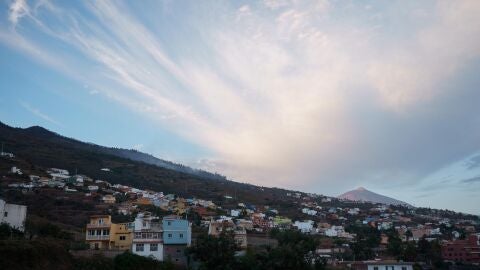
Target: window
{"x": 139, "y": 247}
{"x": 106, "y": 232}
{"x": 122, "y": 238}
{"x": 181, "y": 235}
{"x": 375, "y": 268}
{"x": 99, "y": 232}
{"x": 144, "y": 224}
{"x": 169, "y": 235}
{"x": 178, "y": 250}
{"x": 153, "y": 247}
{"x": 100, "y": 221}
{"x": 404, "y": 268}
{"x": 91, "y": 232}
{"x": 169, "y": 223}
{"x": 5, "y": 214}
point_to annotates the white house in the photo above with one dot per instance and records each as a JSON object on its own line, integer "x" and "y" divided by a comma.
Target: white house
{"x": 308, "y": 211}
{"x": 147, "y": 237}
{"x": 16, "y": 170}
{"x": 334, "y": 231}
{"x": 388, "y": 265}
{"x": 59, "y": 176}
{"x": 13, "y": 214}
{"x": 353, "y": 211}
{"x": 385, "y": 225}
{"x": 59, "y": 171}
{"x": 304, "y": 226}
{"x": 235, "y": 213}
{"x": 6, "y": 154}
{"x": 93, "y": 188}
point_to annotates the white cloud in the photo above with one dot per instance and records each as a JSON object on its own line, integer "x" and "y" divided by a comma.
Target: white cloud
{"x": 413, "y": 70}
{"x": 39, "y": 114}
{"x": 275, "y": 94}
{"x": 18, "y": 9}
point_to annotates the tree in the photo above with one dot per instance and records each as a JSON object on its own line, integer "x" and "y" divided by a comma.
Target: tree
{"x": 409, "y": 252}
{"x": 409, "y": 235}
{"x": 366, "y": 239}
{"x": 215, "y": 252}
{"x": 394, "y": 246}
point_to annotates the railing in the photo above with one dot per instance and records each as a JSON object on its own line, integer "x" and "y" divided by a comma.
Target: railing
{"x": 105, "y": 225}
{"x": 98, "y": 237}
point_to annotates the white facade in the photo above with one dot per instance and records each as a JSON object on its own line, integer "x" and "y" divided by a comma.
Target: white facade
{"x": 235, "y": 213}
{"x": 146, "y": 249}
{"x": 389, "y": 266}
{"x": 310, "y": 212}
{"x": 334, "y": 231}
{"x": 305, "y": 226}
{"x": 93, "y": 188}
{"x": 13, "y": 214}
{"x": 147, "y": 237}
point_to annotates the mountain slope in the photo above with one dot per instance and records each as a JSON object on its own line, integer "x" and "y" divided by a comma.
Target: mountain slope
{"x": 42, "y": 148}
{"x": 135, "y": 155}
{"x": 364, "y": 195}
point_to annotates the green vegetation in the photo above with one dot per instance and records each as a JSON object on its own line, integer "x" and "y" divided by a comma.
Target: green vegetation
{"x": 294, "y": 251}
{"x": 367, "y": 238}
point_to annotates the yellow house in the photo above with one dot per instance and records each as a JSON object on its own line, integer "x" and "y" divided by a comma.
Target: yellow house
{"x": 103, "y": 234}
{"x": 180, "y": 207}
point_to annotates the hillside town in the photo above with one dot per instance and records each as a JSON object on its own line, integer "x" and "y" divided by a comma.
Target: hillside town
{"x": 163, "y": 226}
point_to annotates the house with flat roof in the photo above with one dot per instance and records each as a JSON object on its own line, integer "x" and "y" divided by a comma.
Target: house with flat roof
{"x": 101, "y": 233}
{"x": 13, "y": 214}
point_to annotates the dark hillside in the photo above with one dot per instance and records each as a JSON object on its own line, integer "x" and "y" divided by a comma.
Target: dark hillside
{"x": 40, "y": 147}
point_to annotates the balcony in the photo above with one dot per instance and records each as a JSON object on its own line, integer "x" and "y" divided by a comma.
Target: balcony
{"x": 94, "y": 226}
{"x": 98, "y": 237}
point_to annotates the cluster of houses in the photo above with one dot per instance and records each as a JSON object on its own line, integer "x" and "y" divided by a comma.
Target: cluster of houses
{"x": 148, "y": 236}
{"x": 316, "y": 215}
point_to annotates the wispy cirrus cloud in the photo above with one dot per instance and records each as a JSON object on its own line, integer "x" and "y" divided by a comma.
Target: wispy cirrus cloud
{"x": 39, "y": 113}
{"x": 281, "y": 92}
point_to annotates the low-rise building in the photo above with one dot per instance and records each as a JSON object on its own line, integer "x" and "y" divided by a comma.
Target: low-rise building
{"x": 110, "y": 199}
{"x": 467, "y": 251}
{"x": 177, "y": 236}
{"x": 215, "y": 228}
{"x": 101, "y": 233}
{"x": 13, "y": 214}
{"x": 148, "y": 236}
{"x": 304, "y": 226}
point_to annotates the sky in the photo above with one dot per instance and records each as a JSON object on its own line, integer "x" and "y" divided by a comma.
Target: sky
{"x": 320, "y": 96}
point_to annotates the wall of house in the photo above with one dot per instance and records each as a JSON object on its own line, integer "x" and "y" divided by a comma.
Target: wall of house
{"x": 177, "y": 231}
{"x": 118, "y": 232}
{"x": 13, "y": 214}
{"x": 175, "y": 253}
{"x": 390, "y": 267}
{"x": 158, "y": 255}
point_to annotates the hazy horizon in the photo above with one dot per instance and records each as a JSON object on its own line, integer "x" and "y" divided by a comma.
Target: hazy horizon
{"x": 316, "y": 96}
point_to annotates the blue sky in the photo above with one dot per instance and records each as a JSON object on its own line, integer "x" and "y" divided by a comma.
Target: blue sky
{"x": 320, "y": 96}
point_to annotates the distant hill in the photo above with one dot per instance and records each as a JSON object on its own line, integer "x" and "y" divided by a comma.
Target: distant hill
{"x": 132, "y": 154}
{"x": 37, "y": 148}
{"x": 364, "y": 195}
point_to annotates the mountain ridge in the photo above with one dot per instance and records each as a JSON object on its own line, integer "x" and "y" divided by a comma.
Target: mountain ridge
{"x": 37, "y": 149}
{"x": 364, "y": 195}
{"x": 131, "y": 154}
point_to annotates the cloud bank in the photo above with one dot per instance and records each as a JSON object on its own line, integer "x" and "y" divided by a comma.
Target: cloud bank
{"x": 313, "y": 95}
